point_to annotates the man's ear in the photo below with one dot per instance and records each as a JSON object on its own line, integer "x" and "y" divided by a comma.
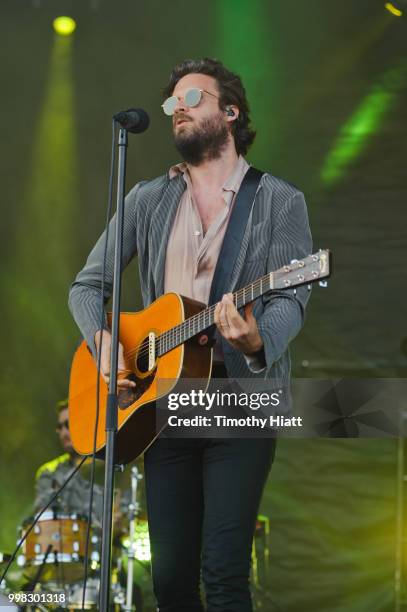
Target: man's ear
{"x": 232, "y": 112}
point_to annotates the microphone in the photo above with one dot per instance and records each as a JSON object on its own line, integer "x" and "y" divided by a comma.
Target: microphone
{"x": 134, "y": 120}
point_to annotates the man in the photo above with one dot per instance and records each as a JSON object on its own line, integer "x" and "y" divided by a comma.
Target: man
{"x": 203, "y": 494}
{"x": 51, "y": 476}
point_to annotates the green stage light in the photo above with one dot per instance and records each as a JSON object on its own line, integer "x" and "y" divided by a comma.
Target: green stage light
{"x": 64, "y": 26}
{"x": 366, "y": 121}
{"x": 243, "y": 40}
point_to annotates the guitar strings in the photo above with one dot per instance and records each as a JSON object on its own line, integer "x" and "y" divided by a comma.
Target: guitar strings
{"x": 167, "y": 337}
{"x": 172, "y": 333}
{"x": 175, "y": 333}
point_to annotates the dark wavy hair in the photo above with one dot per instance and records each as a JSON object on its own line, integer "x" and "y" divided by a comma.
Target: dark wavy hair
{"x": 231, "y": 91}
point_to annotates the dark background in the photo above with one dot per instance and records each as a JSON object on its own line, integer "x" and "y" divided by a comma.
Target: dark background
{"x": 328, "y": 92}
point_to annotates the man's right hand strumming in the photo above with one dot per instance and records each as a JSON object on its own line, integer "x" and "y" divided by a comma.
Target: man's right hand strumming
{"x": 122, "y": 381}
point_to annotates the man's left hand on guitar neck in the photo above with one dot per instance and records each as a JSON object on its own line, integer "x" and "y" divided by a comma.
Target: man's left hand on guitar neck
{"x": 241, "y": 332}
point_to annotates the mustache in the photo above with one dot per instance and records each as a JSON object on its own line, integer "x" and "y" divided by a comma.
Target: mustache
{"x": 182, "y": 116}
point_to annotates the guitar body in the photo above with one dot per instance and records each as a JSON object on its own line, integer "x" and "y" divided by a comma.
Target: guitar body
{"x": 136, "y": 415}
{"x": 161, "y": 350}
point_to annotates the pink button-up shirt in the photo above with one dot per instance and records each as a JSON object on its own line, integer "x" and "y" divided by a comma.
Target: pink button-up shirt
{"x": 191, "y": 256}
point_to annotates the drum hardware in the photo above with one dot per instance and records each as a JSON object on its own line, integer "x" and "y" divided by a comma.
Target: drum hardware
{"x": 54, "y": 553}
{"x": 31, "y": 585}
{"x": 134, "y": 508}
{"x": 4, "y": 557}
{"x": 75, "y": 595}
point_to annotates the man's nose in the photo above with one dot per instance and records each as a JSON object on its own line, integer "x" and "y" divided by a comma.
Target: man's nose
{"x": 180, "y": 106}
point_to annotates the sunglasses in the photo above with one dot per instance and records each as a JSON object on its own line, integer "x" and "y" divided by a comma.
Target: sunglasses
{"x": 62, "y": 425}
{"x": 192, "y": 98}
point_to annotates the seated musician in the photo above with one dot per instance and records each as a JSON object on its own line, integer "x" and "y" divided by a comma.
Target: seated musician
{"x": 51, "y": 475}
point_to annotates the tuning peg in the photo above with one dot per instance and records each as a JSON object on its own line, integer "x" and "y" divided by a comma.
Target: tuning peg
{"x": 323, "y": 284}
{"x": 309, "y": 287}
{"x": 295, "y": 291}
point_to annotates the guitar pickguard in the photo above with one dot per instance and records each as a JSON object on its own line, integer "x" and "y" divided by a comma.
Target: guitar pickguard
{"x": 127, "y": 397}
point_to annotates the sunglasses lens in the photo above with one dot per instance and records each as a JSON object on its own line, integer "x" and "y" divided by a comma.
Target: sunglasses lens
{"x": 169, "y": 105}
{"x": 193, "y": 97}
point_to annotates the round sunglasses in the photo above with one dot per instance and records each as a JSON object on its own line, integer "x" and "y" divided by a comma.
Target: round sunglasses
{"x": 192, "y": 98}
{"x": 62, "y": 424}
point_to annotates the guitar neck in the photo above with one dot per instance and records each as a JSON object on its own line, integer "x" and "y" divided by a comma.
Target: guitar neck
{"x": 206, "y": 318}
{"x": 308, "y": 270}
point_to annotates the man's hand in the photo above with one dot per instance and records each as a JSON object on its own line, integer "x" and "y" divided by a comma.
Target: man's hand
{"x": 122, "y": 381}
{"x": 241, "y": 332}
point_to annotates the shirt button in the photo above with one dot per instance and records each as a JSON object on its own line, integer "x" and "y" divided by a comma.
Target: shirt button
{"x": 197, "y": 233}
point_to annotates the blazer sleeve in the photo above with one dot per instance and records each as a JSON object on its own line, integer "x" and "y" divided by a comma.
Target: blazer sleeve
{"x": 284, "y": 311}
{"x": 85, "y": 295}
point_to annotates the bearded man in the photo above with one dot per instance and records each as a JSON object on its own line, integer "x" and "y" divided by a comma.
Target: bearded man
{"x": 203, "y": 495}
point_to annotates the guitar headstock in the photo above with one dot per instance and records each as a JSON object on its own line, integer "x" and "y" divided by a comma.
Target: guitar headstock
{"x": 313, "y": 268}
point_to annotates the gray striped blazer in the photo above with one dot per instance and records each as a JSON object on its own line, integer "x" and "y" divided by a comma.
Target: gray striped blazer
{"x": 277, "y": 232}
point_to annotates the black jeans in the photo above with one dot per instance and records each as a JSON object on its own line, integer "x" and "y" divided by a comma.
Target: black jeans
{"x": 203, "y": 497}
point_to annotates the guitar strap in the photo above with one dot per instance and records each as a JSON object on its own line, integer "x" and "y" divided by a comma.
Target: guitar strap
{"x": 233, "y": 238}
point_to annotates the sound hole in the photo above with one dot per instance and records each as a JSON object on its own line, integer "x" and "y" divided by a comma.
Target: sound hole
{"x": 142, "y": 376}
{"x": 142, "y": 357}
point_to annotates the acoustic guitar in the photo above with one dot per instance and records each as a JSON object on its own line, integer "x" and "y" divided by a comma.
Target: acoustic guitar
{"x": 161, "y": 349}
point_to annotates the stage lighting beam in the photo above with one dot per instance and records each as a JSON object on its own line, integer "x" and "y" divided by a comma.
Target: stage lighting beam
{"x": 237, "y": 22}
{"x": 64, "y": 26}
{"x": 364, "y": 123}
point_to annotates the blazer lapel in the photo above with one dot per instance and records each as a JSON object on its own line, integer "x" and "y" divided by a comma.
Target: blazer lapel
{"x": 161, "y": 226}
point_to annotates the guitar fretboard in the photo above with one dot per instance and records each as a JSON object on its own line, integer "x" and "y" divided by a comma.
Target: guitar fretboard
{"x": 205, "y": 318}
{"x": 298, "y": 272}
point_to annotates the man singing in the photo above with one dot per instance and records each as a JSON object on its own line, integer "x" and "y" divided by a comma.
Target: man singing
{"x": 203, "y": 495}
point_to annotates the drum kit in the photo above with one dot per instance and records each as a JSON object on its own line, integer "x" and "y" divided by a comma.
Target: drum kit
{"x": 50, "y": 574}
{"x": 51, "y": 563}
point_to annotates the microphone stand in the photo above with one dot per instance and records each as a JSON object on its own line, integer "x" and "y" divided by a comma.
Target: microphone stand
{"x": 112, "y": 400}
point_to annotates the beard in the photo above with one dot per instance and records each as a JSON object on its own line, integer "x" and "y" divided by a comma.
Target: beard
{"x": 205, "y": 142}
